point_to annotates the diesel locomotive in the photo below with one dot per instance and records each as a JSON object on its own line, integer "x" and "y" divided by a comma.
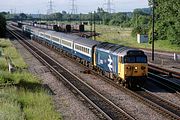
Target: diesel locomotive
{"x": 123, "y": 64}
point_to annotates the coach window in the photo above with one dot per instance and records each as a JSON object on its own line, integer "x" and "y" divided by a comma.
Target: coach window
{"x": 47, "y": 36}
{"x": 55, "y": 39}
{"x": 86, "y": 50}
{"x": 66, "y": 43}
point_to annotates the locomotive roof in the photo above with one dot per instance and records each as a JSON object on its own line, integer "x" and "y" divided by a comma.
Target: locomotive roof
{"x": 76, "y": 39}
{"x": 114, "y": 48}
{"x": 118, "y": 49}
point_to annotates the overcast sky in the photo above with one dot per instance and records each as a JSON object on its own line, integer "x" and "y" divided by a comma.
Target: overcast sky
{"x": 83, "y": 6}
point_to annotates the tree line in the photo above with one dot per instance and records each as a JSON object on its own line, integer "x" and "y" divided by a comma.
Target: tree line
{"x": 167, "y": 19}
{"x": 2, "y": 25}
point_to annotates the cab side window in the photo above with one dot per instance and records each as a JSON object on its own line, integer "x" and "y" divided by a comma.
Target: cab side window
{"x": 120, "y": 59}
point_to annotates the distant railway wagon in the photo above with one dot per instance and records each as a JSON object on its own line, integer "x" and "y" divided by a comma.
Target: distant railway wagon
{"x": 78, "y": 27}
{"x": 64, "y": 27}
{"x": 125, "y": 65}
{"x": 57, "y": 28}
{"x": 17, "y": 24}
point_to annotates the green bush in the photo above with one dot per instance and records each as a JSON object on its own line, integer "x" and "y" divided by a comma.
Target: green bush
{"x": 2, "y": 26}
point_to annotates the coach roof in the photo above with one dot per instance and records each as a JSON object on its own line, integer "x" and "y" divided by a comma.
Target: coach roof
{"x": 80, "y": 40}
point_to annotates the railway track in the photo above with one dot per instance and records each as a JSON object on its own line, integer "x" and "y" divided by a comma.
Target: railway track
{"x": 164, "y": 110}
{"x": 154, "y": 103}
{"x": 162, "y": 77}
{"x": 165, "y": 83}
{"x": 158, "y": 70}
{"x": 169, "y": 106}
{"x": 108, "y": 109}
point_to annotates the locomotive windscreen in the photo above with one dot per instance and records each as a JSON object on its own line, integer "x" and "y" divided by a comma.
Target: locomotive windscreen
{"x": 135, "y": 52}
{"x": 135, "y": 59}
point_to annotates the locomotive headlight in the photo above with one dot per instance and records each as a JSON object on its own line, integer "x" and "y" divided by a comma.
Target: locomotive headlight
{"x": 135, "y": 68}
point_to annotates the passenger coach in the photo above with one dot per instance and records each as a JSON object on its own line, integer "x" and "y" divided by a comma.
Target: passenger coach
{"x": 75, "y": 45}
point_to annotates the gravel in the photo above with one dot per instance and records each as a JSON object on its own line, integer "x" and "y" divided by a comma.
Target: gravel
{"x": 66, "y": 103}
{"x": 164, "y": 60}
{"x": 172, "y": 97}
{"x": 128, "y": 103}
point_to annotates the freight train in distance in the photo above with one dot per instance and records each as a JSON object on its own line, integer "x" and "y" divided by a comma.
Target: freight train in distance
{"x": 125, "y": 65}
{"x": 56, "y": 27}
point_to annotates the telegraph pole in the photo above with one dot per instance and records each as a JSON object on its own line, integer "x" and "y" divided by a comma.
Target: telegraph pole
{"x": 94, "y": 25}
{"x": 91, "y": 23}
{"x": 80, "y": 22}
{"x": 153, "y": 21}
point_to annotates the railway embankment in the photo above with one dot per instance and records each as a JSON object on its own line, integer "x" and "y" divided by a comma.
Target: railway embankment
{"x": 22, "y": 96}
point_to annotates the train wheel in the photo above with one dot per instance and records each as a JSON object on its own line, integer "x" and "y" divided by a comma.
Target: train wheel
{"x": 130, "y": 84}
{"x": 119, "y": 80}
{"x": 102, "y": 72}
{"x": 126, "y": 85}
{"x": 88, "y": 64}
{"x": 123, "y": 83}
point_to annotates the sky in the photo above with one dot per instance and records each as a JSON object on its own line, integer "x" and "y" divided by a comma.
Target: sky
{"x": 83, "y": 6}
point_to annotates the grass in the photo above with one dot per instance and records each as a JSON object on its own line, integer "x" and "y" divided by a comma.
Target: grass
{"x": 23, "y": 97}
{"x": 10, "y": 51}
{"x": 17, "y": 77}
{"x": 122, "y": 36}
{"x": 3, "y": 63}
{"x": 26, "y": 104}
{"x": 10, "y": 109}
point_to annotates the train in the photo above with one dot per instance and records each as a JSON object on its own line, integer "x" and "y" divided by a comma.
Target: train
{"x": 59, "y": 27}
{"x": 78, "y": 27}
{"x": 122, "y": 64}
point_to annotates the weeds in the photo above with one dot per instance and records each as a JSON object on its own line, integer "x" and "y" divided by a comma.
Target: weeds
{"x": 24, "y": 97}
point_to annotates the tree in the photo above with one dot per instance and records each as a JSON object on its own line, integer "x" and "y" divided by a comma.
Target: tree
{"x": 2, "y": 26}
{"x": 167, "y": 17}
{"x": 58, "y": 16}
{"x": 64, "y": 12}
{"x": 23, "y": 16}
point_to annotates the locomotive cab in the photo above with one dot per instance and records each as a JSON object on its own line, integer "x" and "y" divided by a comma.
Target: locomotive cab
{"x": 134, "y": 68}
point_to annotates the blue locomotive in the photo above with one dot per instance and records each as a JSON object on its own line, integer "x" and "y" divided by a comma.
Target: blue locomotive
{"x": 123, "y": 64}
